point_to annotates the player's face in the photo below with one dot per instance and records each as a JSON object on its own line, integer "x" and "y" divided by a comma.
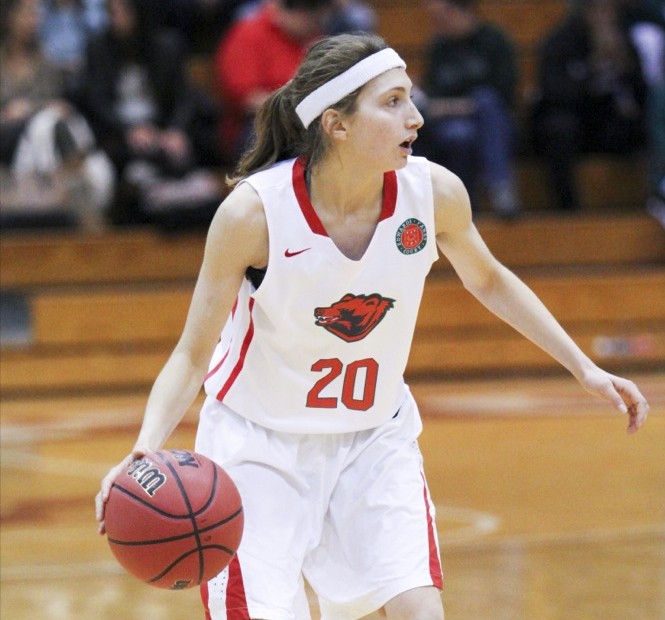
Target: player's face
{"x": 386, "y": 122}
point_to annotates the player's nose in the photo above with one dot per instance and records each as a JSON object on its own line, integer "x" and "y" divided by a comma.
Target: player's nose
{"x": 415, "y": 118}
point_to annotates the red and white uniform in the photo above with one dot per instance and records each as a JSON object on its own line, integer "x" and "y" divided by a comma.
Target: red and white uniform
{"x": 308, "y": 412}
{"x": 322, "y": 345}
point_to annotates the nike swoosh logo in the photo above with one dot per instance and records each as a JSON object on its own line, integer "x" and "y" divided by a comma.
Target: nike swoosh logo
{"x": 290, "y": 254}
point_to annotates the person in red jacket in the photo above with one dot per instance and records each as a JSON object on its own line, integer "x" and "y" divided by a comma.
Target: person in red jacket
{"x": 259, "y": 54}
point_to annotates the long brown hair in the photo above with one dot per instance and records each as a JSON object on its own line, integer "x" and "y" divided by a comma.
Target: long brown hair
{"x": 278, "y": 132}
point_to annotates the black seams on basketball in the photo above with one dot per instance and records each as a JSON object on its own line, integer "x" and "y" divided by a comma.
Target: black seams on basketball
{"x": 174, "y": 519}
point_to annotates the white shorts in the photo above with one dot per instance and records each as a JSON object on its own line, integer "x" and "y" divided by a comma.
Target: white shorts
{"x": 351, "y": 512}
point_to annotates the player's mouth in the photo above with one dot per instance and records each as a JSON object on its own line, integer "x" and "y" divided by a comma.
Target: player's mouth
{"x": 407, "y": 145}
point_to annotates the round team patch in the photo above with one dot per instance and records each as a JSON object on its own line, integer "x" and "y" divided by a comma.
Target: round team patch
{"x": 411, "y": 236}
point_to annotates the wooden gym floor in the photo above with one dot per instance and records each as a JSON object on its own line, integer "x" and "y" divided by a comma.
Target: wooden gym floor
{"x": 547, "y": 510}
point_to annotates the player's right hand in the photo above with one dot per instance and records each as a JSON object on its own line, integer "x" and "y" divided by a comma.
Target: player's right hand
{"x": 107, "y": 482}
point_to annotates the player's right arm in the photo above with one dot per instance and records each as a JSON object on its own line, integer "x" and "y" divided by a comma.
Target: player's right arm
{"x": 237, "y": 239}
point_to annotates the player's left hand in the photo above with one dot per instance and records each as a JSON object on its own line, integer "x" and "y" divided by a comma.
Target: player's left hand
{"x": 622, "y": 393}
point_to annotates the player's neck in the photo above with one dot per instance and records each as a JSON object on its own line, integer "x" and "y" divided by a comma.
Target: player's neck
{"x": 340, "y": 188}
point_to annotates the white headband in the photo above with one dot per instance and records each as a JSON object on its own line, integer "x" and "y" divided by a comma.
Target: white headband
{"x": 345, "y": 83}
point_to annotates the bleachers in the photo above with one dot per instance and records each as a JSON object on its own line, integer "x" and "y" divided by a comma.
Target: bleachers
{"x": 123, "y": 256}
{"x": 405, "y": 26}
{"x": 106, "y": 311}
{"x": 605, "y": 181}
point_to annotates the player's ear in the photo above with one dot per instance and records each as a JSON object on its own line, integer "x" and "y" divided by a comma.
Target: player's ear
{"x": 333, "y": 124}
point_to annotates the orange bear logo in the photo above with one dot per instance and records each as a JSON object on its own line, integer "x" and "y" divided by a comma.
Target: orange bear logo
{"x": 353, "y": 316}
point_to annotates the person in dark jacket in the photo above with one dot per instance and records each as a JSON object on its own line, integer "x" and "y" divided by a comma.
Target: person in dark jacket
{"x": 136, "y": 90}
{"x": 645, "y": 20}
{"x": 591, "y": 93}
{"x": 145, "y": 111}
{"x": 470, "y": 83}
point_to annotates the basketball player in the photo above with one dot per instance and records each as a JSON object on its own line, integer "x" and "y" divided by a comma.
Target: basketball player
{"x": 315, "y": 265}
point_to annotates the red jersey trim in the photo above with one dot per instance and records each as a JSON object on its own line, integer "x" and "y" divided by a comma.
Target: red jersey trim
{"x": 216, "y": 368}
{"x": 389, "y": 195}
{"x": 300, "y": 188}
{"x": 241, "y": 359}
{"x": 435, "y": 570}
{"x": 315, "y": 225}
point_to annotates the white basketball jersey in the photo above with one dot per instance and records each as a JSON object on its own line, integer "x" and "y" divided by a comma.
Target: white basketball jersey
{"x": 322, "y": 344}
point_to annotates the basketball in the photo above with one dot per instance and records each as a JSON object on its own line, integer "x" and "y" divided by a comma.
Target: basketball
{"x": 174, "y": 519}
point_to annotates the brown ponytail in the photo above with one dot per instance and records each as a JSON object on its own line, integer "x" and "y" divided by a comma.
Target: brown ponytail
{"x": 278, "y": 132}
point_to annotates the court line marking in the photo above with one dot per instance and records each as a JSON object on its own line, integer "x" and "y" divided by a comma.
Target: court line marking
{"x": 475, "y": 525}
{"x": 515, "y": 403}
{"x": 52, "y": 465}
{"x": 472, "y": 523}
{"x": 68, "y": 428}
{"x": 40, "y": 572}
{"x": 574, "y": 537}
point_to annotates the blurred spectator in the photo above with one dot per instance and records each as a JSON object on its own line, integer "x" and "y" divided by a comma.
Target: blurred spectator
{"x": 591, "y": 93}
{"x": 136, "y": 89}
{"x": 645, "y": 20}
{"x": 351, "y": 16}
{"x": 147, "y": 115}
{"x": 50, "y": 163}
{"x": 209, "y": 20}
{"x": 470, "y": 85}
{"x": 65, "y": 28}
{"x": 656, "y": 121}
{"x": 96, "y": 15}
{"x": 259, "y": 54}
{"x": 201, "y": 23}
{"x": 63, "y": 33}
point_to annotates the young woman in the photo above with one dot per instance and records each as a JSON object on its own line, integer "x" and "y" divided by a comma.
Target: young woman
{"x": 318, "y": 259}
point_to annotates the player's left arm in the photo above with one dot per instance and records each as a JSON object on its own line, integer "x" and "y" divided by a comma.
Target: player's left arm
{"x": 504, "y": 294}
